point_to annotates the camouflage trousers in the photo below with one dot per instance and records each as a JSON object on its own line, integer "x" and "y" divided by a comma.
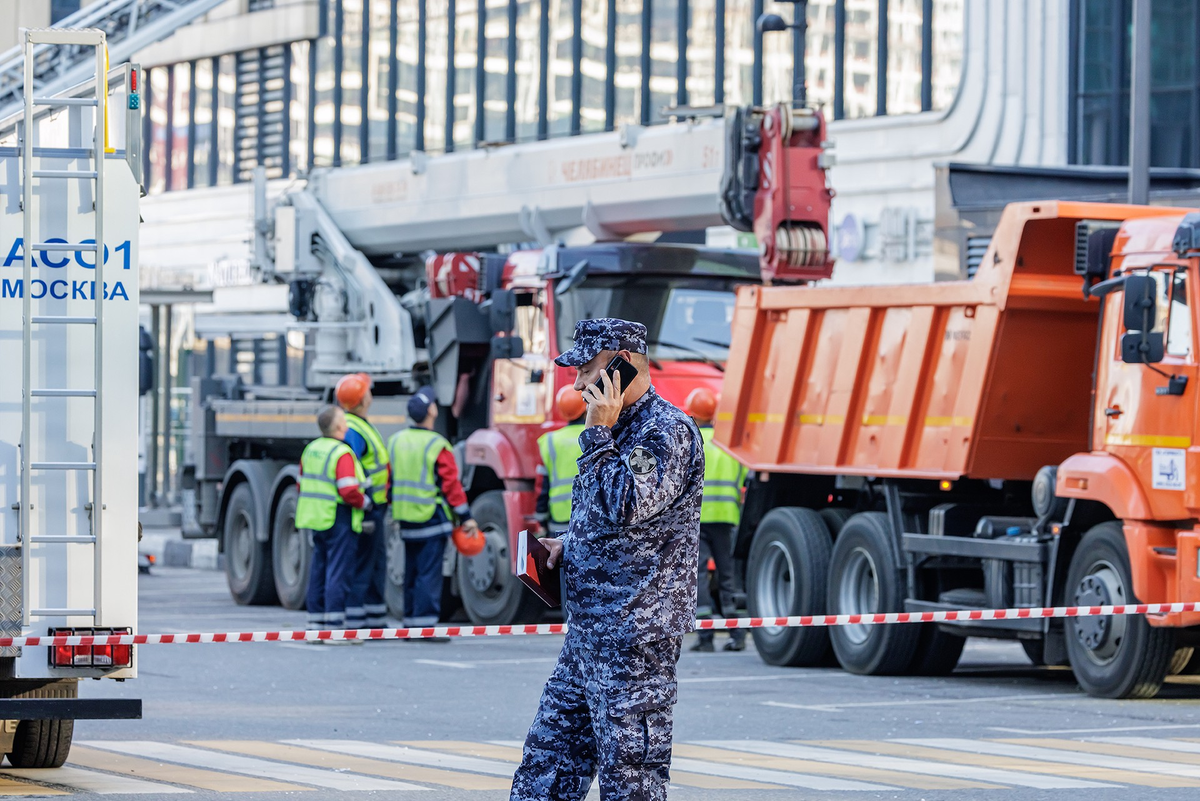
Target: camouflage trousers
{"x": 606, "y": 711}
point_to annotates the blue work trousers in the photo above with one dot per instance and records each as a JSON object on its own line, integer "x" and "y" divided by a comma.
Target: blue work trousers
{"x": 423, "y": 580}
{"x": 366, "y": 607}
{"x": 332, "y": 574}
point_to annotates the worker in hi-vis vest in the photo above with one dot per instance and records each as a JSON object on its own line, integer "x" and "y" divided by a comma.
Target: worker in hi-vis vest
{"x": 367, "y": 605}
{"x": 560, "y": 451}
{"x": 427, "y": 497}
{"x": 331, "y": 505}
{"x": 720, "y": 511}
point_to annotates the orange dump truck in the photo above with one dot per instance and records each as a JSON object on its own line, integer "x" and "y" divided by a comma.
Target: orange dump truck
{"x": 1026, "y": 438}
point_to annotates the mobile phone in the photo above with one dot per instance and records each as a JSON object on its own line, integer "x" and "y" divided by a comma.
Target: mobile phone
{"x": 618, "y": 365}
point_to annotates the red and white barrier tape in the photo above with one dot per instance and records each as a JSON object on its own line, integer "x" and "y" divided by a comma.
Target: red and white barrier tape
{"x": 963, "y": 616}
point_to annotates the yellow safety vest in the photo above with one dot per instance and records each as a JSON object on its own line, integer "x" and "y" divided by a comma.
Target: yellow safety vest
{"x": 415, "y": 493}
{"x": 723, "y": 480}
{"x": 560, "y": 454}
{"x": 374, "y": 460}
{"x": 319, "y": 499}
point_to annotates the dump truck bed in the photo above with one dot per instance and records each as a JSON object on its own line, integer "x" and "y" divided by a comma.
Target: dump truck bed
{"x": 986, "y": 378}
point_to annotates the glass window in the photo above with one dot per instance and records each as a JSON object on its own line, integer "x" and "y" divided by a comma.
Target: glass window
{"x": 465, "y": 33}
{"x": 664, "y": 56}
{"x": 323, "y": 111}
{"x": 406, "y": 80}
{"x": 379, "y": 62}
{"x": 559, "y": 75}
{"x": 435, "y": 75}
{"x": 904, "y": 56}
{"x": 274, "y": 124}
{"x": 739, "y": 52}
{"x": 178, "y": 178}
{"x": 157, "y": 146}
{"x": 1179, "y": 330}
{"x": 592, "y": 66}
{"x": 298, "y": 109}
{"x": 202, "y": 155}
{"x": 862, "y": 57}
{"x": 226, "y": 119}
{"x": 529, "y": 61}
{"x": 530, "y": 322}
{"x": 777, "y": 56}
{"x": 352, "y": 80}
{"x": 948, "y": 19}
{"x": 701, "y": 54}
{"x": 628, "y": 79}
{"x": 495, "y": 68}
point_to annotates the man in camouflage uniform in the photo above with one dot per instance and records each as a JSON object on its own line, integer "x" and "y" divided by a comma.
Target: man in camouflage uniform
{"x": 629, "y": 571}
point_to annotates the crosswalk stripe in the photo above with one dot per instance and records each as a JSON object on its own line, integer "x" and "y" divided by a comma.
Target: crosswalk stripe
{"x": 411, "y": 756}
{"x": 373, "y": 767}
{"x": 1009, "y": 763}
{"x": 1158, "y": 752}
{"x": 989, "y": 775}
{"x": 860, "y": 772}
{"x": 12, "y": 787}
{"x": 770, "y": 776}
{"x": 1054, "y": 755}
{"x": 508, "y": 753}
{"x": 192, "y": 777}
{"x": 1182, "y": 746}
{"x": 89, "y": 781}
{"x": 231, "y": 763}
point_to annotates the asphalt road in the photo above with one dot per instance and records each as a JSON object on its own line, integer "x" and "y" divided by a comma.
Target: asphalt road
{"x": 389, "y": 719}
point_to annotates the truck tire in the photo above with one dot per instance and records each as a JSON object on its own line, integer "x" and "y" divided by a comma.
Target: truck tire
{"x": 41, "y": 743}
{"x": 247, "y": 561}
{"x": 1181, "y": 660}
{"x": 835, "y": 517}
{"x": 937, "y": 651}
{"x": 1122, "y": 656}
{"x": 394, "y": 588}
{"x": 291, "y": 552}
{"x": 863, "y": 578}
{"x": 785, "y": 576}
{"x": 491, "y": 594}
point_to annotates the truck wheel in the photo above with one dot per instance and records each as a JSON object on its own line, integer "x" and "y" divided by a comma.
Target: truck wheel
{"x": 1035, "y": 650}
{"x": 863, "y": 578}
{"x": 41, "y": 743}
{"x": 394, "y": 590}
{"x": 786, "y": 574}
{"x": 835, "y": 517}
{"x": 937, "y": 651}
{"x": 291, "y": 552}
{"x": 247, "y": 561}
{"x": 1122, "y": 656}
{"x": 1181, "y": 661}
{"x": 491, "y": 594}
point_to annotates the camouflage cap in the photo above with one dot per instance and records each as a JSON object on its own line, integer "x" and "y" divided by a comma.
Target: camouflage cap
{"x": 603, "y": 333}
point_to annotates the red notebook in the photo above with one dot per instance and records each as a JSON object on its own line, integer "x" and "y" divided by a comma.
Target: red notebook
{"x": 532, "y": 571}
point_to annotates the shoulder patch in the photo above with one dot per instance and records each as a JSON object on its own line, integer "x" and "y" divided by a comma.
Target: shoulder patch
{"x": 642, "y": 461}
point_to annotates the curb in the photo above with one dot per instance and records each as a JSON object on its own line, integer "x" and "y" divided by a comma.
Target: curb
{"x": 170, "y": 551}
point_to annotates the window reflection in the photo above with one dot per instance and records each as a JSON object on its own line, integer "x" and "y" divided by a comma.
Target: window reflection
{"x": 628, "y": 79}
{"x": 202, "y": 143}
{"x": 529, "y": 61}
{"x": 701, "y": 53}
{"x": 157, "y": 146}
{"x": 323, "y": 111}
{"x": 862, "y": 32}
{"x": 495, "y": 69}
{"x": 904, "y": 56}
{"x": 436, "y": 31}
{"x": 947, "y": 51}
{"x": 298, "y": 109}
{"x": 226, "y": 118}
{"x": 352, "y": 80}
{"x": 178, "y": 178}
{"x": 739, "y": 52}
{"x": 378, "y": 69}
{"x": 406, "y": 79}
{"x": 465, "y": 31}
{"x": 592, "y": 67}
{"x": 559, "y": 76}
{"x": 664, "y": 55}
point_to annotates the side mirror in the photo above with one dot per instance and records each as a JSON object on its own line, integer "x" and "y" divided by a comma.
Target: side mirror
{"x": 577, "y": 274}
{"x": 1142, "y": 347}
{"x": 507, "y": 347}
{"x": 501, "y": 310}
{"x": 1141, "y": 305}
{"x": 146, "y": 361}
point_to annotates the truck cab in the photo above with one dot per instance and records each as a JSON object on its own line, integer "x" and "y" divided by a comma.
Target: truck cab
{"x": 495, "y": 325}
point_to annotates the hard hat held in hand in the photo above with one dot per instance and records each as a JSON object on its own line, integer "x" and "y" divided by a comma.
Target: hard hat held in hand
{"x": 702, "y": 403}
{"x": 351, "y": 389}
{"x": 570, "y": 403}
{"x": 468, "y": 543}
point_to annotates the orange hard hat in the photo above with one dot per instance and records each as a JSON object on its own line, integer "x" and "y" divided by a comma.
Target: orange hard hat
{"x": 570, "y": 403}
{"x": 702, "y": 403}
{"x": 351, "y": 389}
{"x": 468, "y": 543}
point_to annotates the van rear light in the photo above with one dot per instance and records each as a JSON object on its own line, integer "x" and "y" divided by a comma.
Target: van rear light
{"x": 91, "y": 656}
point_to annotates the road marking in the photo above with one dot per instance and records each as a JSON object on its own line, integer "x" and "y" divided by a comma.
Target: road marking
{"x": 508, "y": 753}
{"x": 443, "y": 663}
{"x": 1010, "y": 763}
{"x": 192, "y": 777}
{"x": 1094, "y": 731}
{"x": 989, "y": 775}
{"x": 339, "y": 762}
{"x": 261, "y": 768}
{"x": 725, "y": 679}
{"x": 12, "y": 787}
{"x": 1157, "y": 752}
{"x": 1053, "y": 755}
{"x": 773, "y": 776}
{"x": 411, "y": 756}
{"x": 1182, "y": 746}
{"x": 922, "y": 702}
{"x": 90, "y": 781}
{"x": 860, "y": 772}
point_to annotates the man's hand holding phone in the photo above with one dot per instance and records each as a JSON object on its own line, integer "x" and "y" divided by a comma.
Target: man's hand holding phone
{"x": 604, "y": 400}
